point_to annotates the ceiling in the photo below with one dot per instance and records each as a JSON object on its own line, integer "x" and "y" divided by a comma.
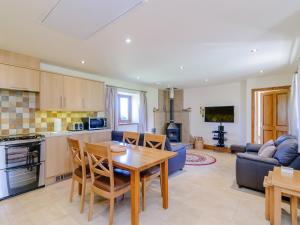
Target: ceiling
{"x": 211, "y": 39}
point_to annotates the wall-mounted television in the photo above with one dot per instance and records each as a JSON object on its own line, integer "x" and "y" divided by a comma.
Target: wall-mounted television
{"x": 219, "y": 114}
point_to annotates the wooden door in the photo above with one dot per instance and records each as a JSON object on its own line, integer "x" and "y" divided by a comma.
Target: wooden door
{"x": 18, "y": 78}
{"x": 93, "y": 95}
{"x": 281, "y": 115}
{"x": 73, "y": 94}
{"x": 274, "y": 114}
{"x": 51, "y": 91}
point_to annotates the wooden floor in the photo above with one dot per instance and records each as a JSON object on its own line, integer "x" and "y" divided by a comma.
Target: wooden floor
{"x": 203, "y": 195}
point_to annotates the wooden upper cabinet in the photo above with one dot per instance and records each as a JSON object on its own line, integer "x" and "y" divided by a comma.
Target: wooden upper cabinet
{"x": 20, "y": 60}
{"x": 52, "y": 91}
{"x": 73, "y": 94}
{"x": 65, "y": 93}
{"x": 93, "y": 95}
{"x": 18, "y": 78}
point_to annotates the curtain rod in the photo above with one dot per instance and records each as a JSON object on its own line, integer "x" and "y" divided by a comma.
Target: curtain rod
{"x": 126, "y": 88}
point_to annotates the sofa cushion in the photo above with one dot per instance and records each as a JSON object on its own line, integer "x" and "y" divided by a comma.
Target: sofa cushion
{"x": 283, "y": 138}
{"x": 287, "y": 151}
{"x": 265, "y": 145}
{"x": 267, "y": 152}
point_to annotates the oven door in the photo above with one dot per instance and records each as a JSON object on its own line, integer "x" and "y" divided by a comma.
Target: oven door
{"x": 14, "y": 181}
{"x": 20, "y": 154}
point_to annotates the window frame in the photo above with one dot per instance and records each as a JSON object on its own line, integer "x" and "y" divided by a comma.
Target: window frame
{"x": 129, "y": 97}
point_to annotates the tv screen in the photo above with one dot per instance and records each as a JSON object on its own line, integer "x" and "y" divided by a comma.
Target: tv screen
{"x": 220, "y": 114}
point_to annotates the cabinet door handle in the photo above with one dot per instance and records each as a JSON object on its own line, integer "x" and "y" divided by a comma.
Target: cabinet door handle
{"x": 65, "y": 102}
{"x": 61, "y": 102}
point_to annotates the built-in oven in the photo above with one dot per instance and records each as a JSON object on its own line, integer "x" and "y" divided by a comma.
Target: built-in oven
{"x": 22, "y": 166}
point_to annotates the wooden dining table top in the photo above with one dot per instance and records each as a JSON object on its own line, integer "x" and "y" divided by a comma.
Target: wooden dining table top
{"x": 138, "y": 157}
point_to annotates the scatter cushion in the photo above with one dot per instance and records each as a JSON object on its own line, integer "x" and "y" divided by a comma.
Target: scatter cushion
{"x": 283, "y": 138}
{"x": 265, "y": 145}
{"x": 287, "y": 151}
{"x": 267, "y": 152}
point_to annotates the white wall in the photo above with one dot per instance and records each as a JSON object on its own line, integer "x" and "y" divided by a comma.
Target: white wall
{"x": 237, "y": 94}
{"x": 218, "y": 95}
{"x": 152, "y": 93}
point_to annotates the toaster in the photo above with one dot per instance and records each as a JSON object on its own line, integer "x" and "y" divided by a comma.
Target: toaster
{"x": 75, "y": 126}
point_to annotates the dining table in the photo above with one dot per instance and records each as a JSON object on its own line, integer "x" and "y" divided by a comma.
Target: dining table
{"x": 136, "y": 159}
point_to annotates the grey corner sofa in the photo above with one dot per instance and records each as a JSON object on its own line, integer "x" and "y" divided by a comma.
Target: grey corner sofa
{"x": 251, "y": 168}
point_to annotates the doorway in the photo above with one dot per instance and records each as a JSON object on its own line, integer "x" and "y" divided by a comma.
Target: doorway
{"x": 269, "y": 113}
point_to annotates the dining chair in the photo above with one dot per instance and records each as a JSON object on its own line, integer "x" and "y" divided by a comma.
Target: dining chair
{"x": 80, "y": 171}
{"x": 105, "y": 182}
{"x": 131, "y": 137}
{"x": 157, "y": 142}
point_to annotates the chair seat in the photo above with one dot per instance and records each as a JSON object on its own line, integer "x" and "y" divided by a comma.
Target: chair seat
{"x": 78, "y": 171}
{"x": 121, "y": 182}
{"x": 151, "y": 171}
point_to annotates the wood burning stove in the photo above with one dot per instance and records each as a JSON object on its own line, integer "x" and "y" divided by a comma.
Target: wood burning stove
{"x": 173, "y": 130}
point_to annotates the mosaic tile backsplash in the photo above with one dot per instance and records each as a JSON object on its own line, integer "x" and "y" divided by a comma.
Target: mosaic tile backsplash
{"x": 19, "y": 114}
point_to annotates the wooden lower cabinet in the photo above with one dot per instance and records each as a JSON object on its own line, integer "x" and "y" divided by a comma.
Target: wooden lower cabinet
{"x": 58, "y": 160}
{"x": 58, "y": 157}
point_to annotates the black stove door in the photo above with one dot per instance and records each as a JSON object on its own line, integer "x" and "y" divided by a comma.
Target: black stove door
{"x": 22, "y": 154}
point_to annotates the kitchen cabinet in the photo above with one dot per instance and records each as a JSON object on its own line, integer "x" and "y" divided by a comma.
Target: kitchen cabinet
{"x": 73, "y": 94}
{"x": 51, "y": 91}
{"x": 97, "y": 137}
{"x": 58, "y": 158}
{"x": 93, "y": 96}
{"x": 20, "y": 60}
{"x": 19, "y": 78}
{"x": 59, "y": 92}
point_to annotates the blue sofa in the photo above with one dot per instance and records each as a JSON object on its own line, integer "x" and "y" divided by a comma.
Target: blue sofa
{"x": 175, "y": 164}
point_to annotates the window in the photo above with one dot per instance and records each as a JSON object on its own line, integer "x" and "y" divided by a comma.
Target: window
{"x": 125, "y": 109}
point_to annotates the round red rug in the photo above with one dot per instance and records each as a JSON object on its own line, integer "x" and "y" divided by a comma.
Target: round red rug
{"x": 199, "y": 159}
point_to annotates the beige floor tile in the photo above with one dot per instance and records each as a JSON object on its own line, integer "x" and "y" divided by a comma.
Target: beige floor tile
{"x": 205, "y": 195}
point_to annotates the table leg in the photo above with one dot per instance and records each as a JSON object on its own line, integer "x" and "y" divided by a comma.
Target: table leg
{"x": 79, "y": 188}
{"x": 271, "y": 204}
{"x": 277, "y": 206}
{"x": 135, "y": 196}
{"x": 165, "y": 189}
{"x": 294, "y": 207}
{"x": 267, "y": 203}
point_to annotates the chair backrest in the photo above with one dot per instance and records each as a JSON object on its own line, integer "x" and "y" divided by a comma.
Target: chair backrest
{"x": 131, "y": 137}
{"x": 154, "y": 141}
{"x": 100, "y": 162}
{"x": 77, "y": 155}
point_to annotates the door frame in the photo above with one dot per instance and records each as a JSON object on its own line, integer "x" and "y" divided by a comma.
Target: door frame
{"x": 287, "y": 87}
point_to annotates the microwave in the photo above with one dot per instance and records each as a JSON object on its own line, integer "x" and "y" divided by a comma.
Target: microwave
{"x": 94, "y": 123}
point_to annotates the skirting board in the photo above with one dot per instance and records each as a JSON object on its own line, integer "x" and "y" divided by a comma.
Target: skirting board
{"x": 219, "y": 149}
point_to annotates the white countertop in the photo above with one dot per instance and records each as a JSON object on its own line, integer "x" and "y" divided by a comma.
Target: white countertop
{"x": 68, "y": 133}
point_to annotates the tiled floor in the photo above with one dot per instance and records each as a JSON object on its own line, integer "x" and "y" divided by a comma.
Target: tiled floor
{"x": 204, "y": 195}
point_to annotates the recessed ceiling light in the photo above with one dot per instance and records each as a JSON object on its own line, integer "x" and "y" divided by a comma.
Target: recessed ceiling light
{"x": 206, "y": 80}
{"x": 128, "y": 40}
{"x": 138, "y": 77}
{"x": 181, "y": 67}
{"x": 254, "y": 50}
{"x": 82, "y": 62}
{"x": 261, "y": 71}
